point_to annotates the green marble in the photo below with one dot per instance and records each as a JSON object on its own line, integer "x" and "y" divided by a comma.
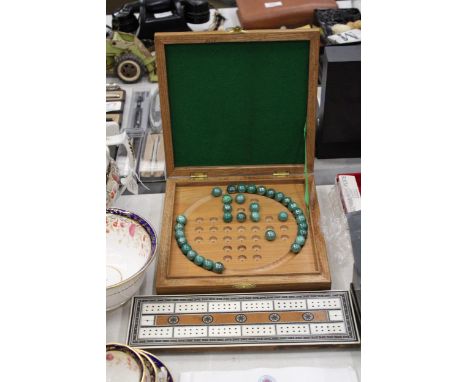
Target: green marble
{"x": 254, "y": 207}
{"x": 286, "y": 200}
{"x": 303, "y": 226}
{"x": 302, "y": 232}
{"x": 261, "y": 190}
{"x": 255, "y": 216}
{"x": 270, "y": 193}
{"x": 300, "y": 240}
{"x": 181, "y": 241}
{"x": 279, "y": 196}
{"x": 283, "y": 216}
{"x": 199, "y": 260}
{"x": 179, "y": 233}
{"x": 251, "y": 188}
{"x": 227, "y": 208}
{"x": 227, "y": 217}
{"x": 179, "y": 226}
{"x": 270, "y": 235}
{"x": 292, "y": 206}
{"x": 227, "y": 199}
{"x": 191, "y": 254}
{"x": 301, "y": 219}
{"x": 185, "y": 248}
{"x": 181, "y": 219}
{"x": 208, "y": 264}
{"x": 231, "y": 189}
{"x": 241, "y": 187}
{"x": 216, "y": 191}
{"x": 240, "y": 198}
{"x": 218, "y": 267}
{"x": 295, "y": 248}
{"x": 241, "y": 217}
{"x": 297, "y": 211}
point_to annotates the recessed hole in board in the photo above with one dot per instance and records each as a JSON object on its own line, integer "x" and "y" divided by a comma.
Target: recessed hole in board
{"x": 199, "y": 220}
{"x": 227, "y": 248}
{"x": 241, "y": 248}
{"x": 213, "y": 220}
{"x": 227, "y": 239}
{"x": 255, "y": 238}
{"x": 256, "y": 248}
{"x": 242, "y": 258}
{"x": 227, "y": 258}
{"x": 257, "y": 257}
{"x": 284, "y": 237}
{"x": 270, "y": 227}
{"x": 269, "y": 219}
{"x": 213, "y": 229}
{"x": 213, "y": 239}
{"x": 198, "y": 239}
{"x": 284, "y": 228}
{"x": 255, "y": 229}
{"x": 241, "y": 229}
{"x": 227, "y": 229}
{"x": 198, "y": 229}
{"x": 254, "y": 200}
{"x": 241, "y": 209}
{"x": 241, "y": 238}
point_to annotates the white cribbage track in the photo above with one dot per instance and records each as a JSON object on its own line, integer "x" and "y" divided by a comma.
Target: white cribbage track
{"x": 242, "y": 319}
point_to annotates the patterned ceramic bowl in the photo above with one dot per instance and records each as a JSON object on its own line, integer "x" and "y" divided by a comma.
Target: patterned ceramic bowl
{"x": 131, "y": 247}
{"x": 123, "y": 364}
{"x": 163, "y": 372}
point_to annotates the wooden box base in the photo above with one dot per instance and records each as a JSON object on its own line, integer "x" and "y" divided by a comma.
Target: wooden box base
{"x": 250, "y": 260}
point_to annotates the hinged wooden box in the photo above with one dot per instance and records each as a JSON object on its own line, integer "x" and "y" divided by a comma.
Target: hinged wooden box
{"x": 234, "y": 109}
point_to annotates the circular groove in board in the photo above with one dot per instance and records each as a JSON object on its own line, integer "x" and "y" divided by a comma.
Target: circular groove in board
{"x": 253, "y": 255}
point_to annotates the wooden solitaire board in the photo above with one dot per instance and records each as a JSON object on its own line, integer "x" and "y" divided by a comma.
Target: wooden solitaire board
{"x": 250, "y": 260}
{"x": 239, "y": 108}
{"x": 229, "y": 320}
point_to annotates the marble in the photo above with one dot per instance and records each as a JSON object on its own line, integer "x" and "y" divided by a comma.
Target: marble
{"x": 261, "y": 190}
{"x": 227, "y": 199}
{"x": 191, "y": 254}
{"x": 283, "y": 216}
{"x": 251, "y": 188}
{"x": 292, "y": 206}
{"x": 231, "y": 189}
{"x": 300, "y": 240}
{"x": 181, "y": 241}
{"x": 270, "y": 193}
{"x": 216, "y": 192}
{"x": 241, "y": 217}
{"x": 241, "y": 188}
{"x": 208, "y": 264}
{"x": 181, "y": 219}
{"x": 218, "y": 267}
{"x": 254, "y": 207}
{"x": 179, "y": 233}
{"x": 185, "y": 248}
{"x": 295, "y": 248}
{"x": 240, "y": 198}
{"x": 270, "y": 235}
{"x": 279, "y": 196}
{"x": 301, "y": 219}
{"x": 179, "y": 226}
{"x": 227, "y": 208}
{"x": 255, "y": 216}
{"x": 227, "y": 217}
{"x": 286, "y": 200}
{"x": 199, "y": 260}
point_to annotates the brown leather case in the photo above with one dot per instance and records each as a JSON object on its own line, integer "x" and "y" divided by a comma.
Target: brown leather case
{"x": 271, "y": 14}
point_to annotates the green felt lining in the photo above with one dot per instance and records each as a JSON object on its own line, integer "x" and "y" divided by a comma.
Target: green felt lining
{"x": 242, "y": 103}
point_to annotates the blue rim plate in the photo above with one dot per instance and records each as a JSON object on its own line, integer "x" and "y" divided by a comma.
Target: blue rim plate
{"x": 159, "y": 364}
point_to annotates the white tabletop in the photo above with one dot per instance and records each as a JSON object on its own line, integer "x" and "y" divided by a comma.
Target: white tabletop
{"x": 340, "y": 257}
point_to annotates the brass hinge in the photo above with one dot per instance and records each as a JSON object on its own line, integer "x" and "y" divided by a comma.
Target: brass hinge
{"x": 281, "y": 173}
{"x": 198, "y": 175}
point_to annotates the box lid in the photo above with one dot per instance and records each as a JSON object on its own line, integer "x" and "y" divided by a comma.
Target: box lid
{"x": 237, "y": 103}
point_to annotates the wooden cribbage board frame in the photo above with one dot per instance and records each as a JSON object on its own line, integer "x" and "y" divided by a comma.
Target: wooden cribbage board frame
{"x": 306, "y": 271}
{"x": 239, "y": 320}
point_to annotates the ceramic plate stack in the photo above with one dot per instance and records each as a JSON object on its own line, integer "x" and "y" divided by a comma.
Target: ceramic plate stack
{"x": 127, "y": 364}
{"x": 130, "y": 249}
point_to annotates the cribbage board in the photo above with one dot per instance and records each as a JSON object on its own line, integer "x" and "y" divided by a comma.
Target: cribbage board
{"x": 229, "y": 320}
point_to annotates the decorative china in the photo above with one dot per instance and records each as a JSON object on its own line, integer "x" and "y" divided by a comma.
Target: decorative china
{"x": 123, "y": 364}
{"x": 131, "y": 246}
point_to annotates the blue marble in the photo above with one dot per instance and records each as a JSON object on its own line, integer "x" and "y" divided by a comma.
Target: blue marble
{"x": 227, "y": 199}
{"x": 292, "y": 206}
{"x": 181, "y": 241}
{"x": 270, "y": 193}
{"x": 251, "y": 188}
{"x": 241, "y": 187}
{"x": 216, "y": 191}
{"x": 199, "y": 260}
{"x": 240, "y": 198}
{"x": 283, "y": 216}
{"x": 231, "y": 189}
{"x": 255, "y": 216}
{"x": 261, "y": 190}
{"x": 218, "y": 267}
{"x": 227, "y": 217}
{"x": 181, "y": 219}
{"x": 254, "y": 207}
{"x": 279, "y": 196}
{"x": 300, "y": 240}
{"x": 191, "y": 254}
{"x": 295, "y": 248}
{"x": 227, "y": 208}
{"x": 270, "y": 235}
{"x": 185, "y": 248}
{"x": 286, "y": 200}
{"x": 241, "y": 217}
{"x": 208, "y": 264}
{"x": 179, "y": 233}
